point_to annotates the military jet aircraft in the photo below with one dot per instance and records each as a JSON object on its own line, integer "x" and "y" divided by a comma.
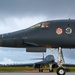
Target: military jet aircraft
{"x": 48, "y": 34}
{"x": 49, "y": 60}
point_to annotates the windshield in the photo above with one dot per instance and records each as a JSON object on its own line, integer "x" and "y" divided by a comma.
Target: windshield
{"x": 36, "y": 26}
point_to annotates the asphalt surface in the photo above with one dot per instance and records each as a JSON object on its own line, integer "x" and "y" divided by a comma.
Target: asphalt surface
{"x": 34, "y": 74}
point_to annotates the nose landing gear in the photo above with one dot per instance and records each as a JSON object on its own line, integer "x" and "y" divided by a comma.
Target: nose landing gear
{"x": 60, "y": 70}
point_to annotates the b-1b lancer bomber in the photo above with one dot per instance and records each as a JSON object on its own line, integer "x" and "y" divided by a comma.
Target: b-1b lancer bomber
{"x": 48, "y": 34}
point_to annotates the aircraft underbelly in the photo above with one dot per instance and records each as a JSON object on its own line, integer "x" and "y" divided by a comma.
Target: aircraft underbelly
{"x": 65, "y": 41}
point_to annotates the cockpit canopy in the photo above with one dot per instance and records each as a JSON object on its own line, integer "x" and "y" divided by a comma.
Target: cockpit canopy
{"x": 42, "y": 25}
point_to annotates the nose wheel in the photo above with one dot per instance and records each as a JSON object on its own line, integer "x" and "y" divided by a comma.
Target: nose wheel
{"x": 61, "y": 71}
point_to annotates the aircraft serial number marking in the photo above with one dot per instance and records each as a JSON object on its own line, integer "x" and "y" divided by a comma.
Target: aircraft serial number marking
{"x": 68, "y": 30}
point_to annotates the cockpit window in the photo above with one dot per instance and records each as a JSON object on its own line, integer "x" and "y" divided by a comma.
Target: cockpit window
{"x": 41, "y": 25}
{"x": 35, "y": 26}
{"x": 45, "y": 25}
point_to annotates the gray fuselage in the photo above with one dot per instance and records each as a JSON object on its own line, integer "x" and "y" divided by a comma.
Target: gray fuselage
{"x": 55, "y": 33}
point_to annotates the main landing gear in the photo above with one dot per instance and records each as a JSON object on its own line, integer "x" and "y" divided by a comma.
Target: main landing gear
{"x": 51, "y": 69}
{"x": 40, "y": 69}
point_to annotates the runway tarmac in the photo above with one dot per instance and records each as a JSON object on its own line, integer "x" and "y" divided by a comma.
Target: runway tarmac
{"x": 34, "y": 73}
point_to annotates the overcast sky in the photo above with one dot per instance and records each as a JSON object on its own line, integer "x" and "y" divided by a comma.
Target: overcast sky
{"x": 20, "y": 14}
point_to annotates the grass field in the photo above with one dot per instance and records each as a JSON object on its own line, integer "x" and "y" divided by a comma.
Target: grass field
{"x": 27, "y": 69}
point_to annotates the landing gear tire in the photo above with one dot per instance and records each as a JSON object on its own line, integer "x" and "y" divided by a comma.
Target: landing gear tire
{"x": 61, "y": 71}
{"x": 50, "y": 70}
{"x": 40, "y": 70}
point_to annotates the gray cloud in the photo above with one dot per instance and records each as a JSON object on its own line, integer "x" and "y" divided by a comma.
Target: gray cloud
{"x": 69, "y": 53}
{"x": 17, "y": 55}
{"x": 50, "y": 8}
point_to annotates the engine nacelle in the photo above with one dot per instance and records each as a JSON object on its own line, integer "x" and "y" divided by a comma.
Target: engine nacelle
{"x": 35, "y": 49}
